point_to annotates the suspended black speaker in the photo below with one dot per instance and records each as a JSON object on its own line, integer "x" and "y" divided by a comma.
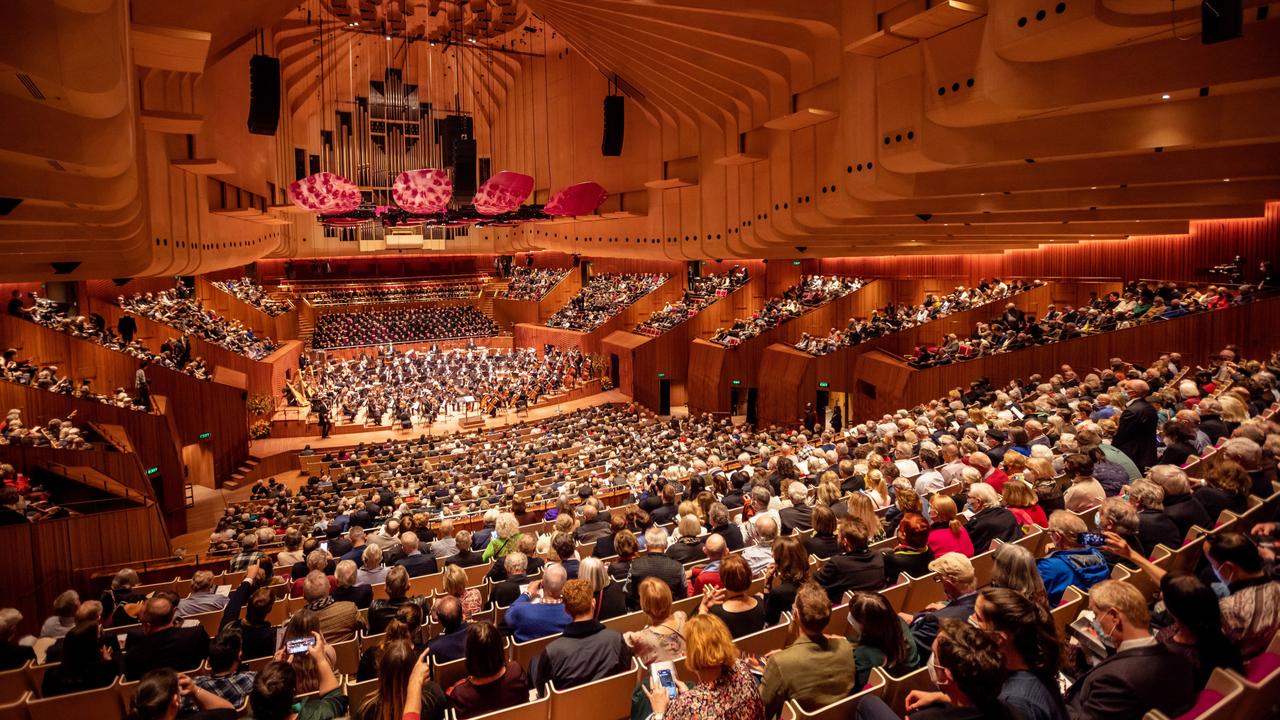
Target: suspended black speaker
{"x": 1221, "y": 20}
{"x": 264, "y": 94}
{"x": 464, "y": 167}
{"x": 611, "y": 144}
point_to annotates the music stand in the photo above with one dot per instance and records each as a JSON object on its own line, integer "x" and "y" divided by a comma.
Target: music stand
{"x": 466, "y": 401}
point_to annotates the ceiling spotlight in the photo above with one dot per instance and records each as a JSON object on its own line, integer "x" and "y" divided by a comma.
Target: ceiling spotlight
{"x": 471, "y": 40}
{"x": 1226, "y": 179}
{"x": 1164, "y": 96}
{"x": 1093, "y": 187}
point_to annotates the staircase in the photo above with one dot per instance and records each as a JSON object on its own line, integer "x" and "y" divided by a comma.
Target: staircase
{"x": 491, "y": 290}
{"x": 306, "y": 328}
{"x": 244, "y": 475}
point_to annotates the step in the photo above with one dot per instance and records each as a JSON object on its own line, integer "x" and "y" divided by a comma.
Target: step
{"x": 251, "y": 462}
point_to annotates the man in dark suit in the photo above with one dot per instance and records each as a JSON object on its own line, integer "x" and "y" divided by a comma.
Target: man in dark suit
{"x": 990, "y": 521}
{"x": 666, "y": 512}
{"x": 856, "y": 567}
{"x": 1136, "y": 434}
{"x": 999, "y": 446}
{"x": 413, "y": 559}
{"x": 592, "y": 528}
{"x": 1142, "y": 674}
{"x": 653, "y": 563}
{"x": 361, "y": 595}
{"x": 718, "y": 518}
{"x": 449, "y": 645}
{"x": 799, "y": 516}
{"x": 960, "y": 584}
{"x": 163, "y": 643}
{"x": 465, "y": 557}
{"x": 506, "y": 592}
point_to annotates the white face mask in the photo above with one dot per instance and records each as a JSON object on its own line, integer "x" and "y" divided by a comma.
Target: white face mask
{"x": 935, "y": 670}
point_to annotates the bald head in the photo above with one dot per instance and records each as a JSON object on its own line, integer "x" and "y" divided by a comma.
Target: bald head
{"x": 553, "y": 579}
{"x": 158, "y": 614}
{"x": 714, "y": 547}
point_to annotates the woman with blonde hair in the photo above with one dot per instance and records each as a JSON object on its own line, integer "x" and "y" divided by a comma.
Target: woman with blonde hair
{"x": 862, "y": 507}
{"x": 946, "y": 532}
{"x": 611, "y": 596}
{"x": 1023, "y": 502}
{"x": 1233, "y": 412}
{"x": 505, "y": 538}
{"x": 455, "y": 584}
{"x": 725, "y": 688}
{"x": 877, "y": 489}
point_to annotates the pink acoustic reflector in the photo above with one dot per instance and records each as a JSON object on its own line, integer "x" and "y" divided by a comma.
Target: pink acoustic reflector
{"x": 325, "y": 193}
{"x": 503, "y": 192}
{"x": 423, "y": 192}
{"x": 579, "y": 199}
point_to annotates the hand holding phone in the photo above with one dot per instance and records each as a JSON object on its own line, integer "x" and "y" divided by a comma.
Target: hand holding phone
{"x": 664, "y": 675}
{"x": 300, "y": 646}
{"x": 1088, "y": 539}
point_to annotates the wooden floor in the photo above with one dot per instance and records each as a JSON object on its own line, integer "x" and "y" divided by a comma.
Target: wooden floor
{"x": 203, "y": 517}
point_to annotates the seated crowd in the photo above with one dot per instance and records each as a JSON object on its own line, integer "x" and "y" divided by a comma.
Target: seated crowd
{"x": 702, "y": 292}
{"x": 991, "y": 646}
{"x": 379, "y": 327}
{"x": 247, "y": 290}
{"x": 57, "y": 433}
{"x": 390, "y": 294}
{"x": 894, "y": 318}
{"x": 1140, "y": 303}
{"x": 178, "y": 309}
{"x": 24, "y": 372}
{"x": 604, "y": 296}
{"x": 811, "y": 292}
{"x": 394, "y": 387}
{"x": 174, "y": 354}
{"x": 530, "y": 283}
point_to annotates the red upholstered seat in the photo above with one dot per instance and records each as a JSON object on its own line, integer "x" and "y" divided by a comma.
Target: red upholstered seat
{"x": 1208, "y": 698}
{"x": 1261, "y": 667}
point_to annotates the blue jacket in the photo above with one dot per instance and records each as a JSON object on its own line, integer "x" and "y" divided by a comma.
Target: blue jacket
{"x": 1082, "y": 567}
{"x": 529, "y": 621}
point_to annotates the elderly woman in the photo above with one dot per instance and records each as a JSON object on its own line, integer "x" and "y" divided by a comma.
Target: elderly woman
{"x": 455, "y": 584}
{"x": 505, "y": 539}
{"x": 611, "y": 596}
{"x": 372, "y": 571}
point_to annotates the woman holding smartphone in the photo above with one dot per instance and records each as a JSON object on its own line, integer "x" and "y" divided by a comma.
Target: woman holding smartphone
{"x": 725, "y": 688}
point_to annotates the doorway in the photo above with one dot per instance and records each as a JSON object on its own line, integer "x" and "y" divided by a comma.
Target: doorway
{"x": 664, "y": 397}
{"x": 615, "y": 373}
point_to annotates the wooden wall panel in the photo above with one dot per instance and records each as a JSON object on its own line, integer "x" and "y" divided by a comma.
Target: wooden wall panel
{"x": 200, "y": 405}
{"x": 1163, "y": 257}
{"x": 1197, "y": 337}
{"x": 45, "y": 558}
{"x": 784, "y": 371}
{"x": 741, "y": 363}
{"x": 837, "y": 369}
{"x": 279, "y": 328}
{"x": 124, "y": 467}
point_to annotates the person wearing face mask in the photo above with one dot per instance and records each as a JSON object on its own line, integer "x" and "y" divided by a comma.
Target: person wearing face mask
{"x": 1141, "y": 674}
{"x": 1251, "y": 613}
{"x": 880, "y": 638}
{"x": 955, "y": 572}
{"x": 968, "y": 668}
{"x": 990, "y": 521}
{"x": 1070, "y": 563}
{"x": 1029, "y": 644}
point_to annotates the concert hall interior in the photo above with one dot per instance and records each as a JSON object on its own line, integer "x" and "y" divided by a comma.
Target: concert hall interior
{"x": 649, "y": 359}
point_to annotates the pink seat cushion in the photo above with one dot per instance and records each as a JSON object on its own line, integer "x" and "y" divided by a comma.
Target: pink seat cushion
{"x": 1207, "y": 699}
{"x": 1261, "y": 667}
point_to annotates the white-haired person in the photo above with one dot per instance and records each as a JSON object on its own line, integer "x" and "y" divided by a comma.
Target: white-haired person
{"x": 505, "y": 537}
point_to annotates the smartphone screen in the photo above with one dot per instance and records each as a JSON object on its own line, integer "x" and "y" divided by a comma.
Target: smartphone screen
{"x": 1091, "y": 539}
{"x": 298, "y": 646}
{"x": 667, "y": 680}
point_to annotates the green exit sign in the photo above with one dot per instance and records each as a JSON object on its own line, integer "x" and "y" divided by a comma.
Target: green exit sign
{"x": 662, "y": 375}
{"x": 795, "y": 262}
{"x": 153, "y": 470}
{"x": 737, "y": 382}
{"x": 824, "y": 384}
{"x": 206, "y": 435}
